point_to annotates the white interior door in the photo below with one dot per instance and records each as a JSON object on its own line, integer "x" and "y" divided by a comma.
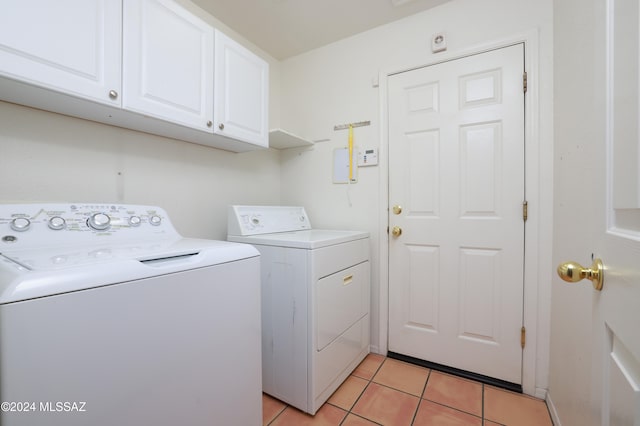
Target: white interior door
{"x": 599, "y": 331}
{"x": 617, "y": 309}
{"x": 456, "y": 191}
{"x": 595, "y": 335}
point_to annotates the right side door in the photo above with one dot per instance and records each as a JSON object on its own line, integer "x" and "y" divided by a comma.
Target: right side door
{"x": 456, "y": 193}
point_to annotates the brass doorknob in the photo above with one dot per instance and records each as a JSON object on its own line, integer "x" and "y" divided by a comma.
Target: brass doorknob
{"x": 573, "y": 272}
{"x": 396, "y": 231}
{"x": 397, "y": 209}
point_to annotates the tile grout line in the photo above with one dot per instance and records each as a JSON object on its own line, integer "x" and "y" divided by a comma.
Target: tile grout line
{"x": 347, "y": 411}
{"x": 482, "y": 399}
{"x": 279, "y": 413}
{"x": 420, "y": 398}
{"x": 399, "y": 390}
{"x": 455, "y": 409}
{"x": 362, "y": 393}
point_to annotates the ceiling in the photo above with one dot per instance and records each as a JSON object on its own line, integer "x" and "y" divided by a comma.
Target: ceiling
{"x": 285, "y": 28}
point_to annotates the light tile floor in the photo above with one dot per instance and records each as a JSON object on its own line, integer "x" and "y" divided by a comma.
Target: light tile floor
{"x": 385, "y": 391}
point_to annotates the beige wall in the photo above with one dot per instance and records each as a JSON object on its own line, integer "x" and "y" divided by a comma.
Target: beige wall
{"x": 333, "y": 85}
{"x": 51, "y": 157}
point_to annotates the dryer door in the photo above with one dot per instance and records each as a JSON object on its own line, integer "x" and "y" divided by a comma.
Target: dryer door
{"x": 341, "y": 300}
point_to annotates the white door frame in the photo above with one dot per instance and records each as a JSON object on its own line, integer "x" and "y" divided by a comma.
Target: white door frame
{"x": 537, "y": 289}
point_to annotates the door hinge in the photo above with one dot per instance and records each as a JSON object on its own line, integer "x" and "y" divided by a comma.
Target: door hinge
{"x": 523, "y": 336}
{"x": 525, "y": 210}
{"x": 524, "y": 82}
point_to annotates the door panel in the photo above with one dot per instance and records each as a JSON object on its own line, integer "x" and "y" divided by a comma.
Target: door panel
{"x": 241, "y": 92}
{"x": 80, "y": 55}
{"x": 168, "y": 63}
{"x": 456, "y": 166}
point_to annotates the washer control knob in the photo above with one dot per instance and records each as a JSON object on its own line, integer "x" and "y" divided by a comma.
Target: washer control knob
{"x": 99, "y": 221}
{"x": 135, "y": 221}
{"x": 155, "y": 220}
{"x": 57, "y": 223}
{"x": 20, "y": 224}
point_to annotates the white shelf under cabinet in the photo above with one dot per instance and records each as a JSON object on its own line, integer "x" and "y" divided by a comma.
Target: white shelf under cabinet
{"x": 281, "y": 139}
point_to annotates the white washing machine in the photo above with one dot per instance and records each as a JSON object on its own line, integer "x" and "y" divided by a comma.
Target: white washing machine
{"x": 315, "y": 301}
{"x": 109, "y": 317}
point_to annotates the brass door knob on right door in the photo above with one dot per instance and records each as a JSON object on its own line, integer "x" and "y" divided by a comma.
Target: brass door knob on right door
{"x": 396, "y": 231}
{"x": 397, "y": 209}
{"x": 573, "y": 272}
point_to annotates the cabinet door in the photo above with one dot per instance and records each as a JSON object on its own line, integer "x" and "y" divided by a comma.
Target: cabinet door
{"x": 241, "y": 93}
{"x": 167, "y": 63}
{"x": 70, "y": 46}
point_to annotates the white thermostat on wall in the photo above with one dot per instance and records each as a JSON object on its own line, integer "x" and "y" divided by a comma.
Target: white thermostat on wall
{"x": 368, "y": 157}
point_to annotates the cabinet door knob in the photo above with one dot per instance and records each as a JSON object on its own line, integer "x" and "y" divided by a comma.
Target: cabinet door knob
{"x": 221, "y": 126}
{"x": 209, "y": 123}
{"x": 113, "y": 94}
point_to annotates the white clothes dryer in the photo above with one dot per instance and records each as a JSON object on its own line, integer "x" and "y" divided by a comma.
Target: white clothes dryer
{"x": 109, "y": 317}
{"x": 315, "y": 301}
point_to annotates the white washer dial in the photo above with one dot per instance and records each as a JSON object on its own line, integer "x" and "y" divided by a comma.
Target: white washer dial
{"x": 135, "y": 221}
{"x": 155, "y": 220}
{"x": 57, "y": 223}
{"x": 99, "y": 221}
{"x": 20, "y": 224}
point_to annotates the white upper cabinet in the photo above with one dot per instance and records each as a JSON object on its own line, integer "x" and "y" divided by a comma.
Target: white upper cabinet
{"x": 241, "y": 93}
{"x": 146, "y": 65}
{"x": 167, "y": 63}
{"x": 73, "y": 46}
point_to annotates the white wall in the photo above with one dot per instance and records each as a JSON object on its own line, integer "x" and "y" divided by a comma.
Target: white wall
{"x": 55, "y": 158}
{"x": 333, "y": 85}
{"x": 50, "y": 157}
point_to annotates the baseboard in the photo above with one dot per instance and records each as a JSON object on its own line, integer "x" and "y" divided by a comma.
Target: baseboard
{"x": 540, "y": 394}
{"x": 552, "y": 410}
{"x": 375, "y": 350}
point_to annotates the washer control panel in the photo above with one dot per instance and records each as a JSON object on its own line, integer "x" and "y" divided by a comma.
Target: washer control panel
{"x": 33, "y": 225}
{"x": 254, "y": 220}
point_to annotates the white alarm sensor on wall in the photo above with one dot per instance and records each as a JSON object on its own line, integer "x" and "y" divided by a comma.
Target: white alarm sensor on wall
{"x": 368, "y": 157}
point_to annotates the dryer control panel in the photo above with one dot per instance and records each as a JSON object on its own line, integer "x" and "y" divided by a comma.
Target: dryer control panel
{"x": 255, "y": 220}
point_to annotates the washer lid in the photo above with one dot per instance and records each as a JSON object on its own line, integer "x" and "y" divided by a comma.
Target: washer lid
{"x": 65, "y": 257}
{"x": 29, "y": 274}
{"x": 309, "y": 239}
